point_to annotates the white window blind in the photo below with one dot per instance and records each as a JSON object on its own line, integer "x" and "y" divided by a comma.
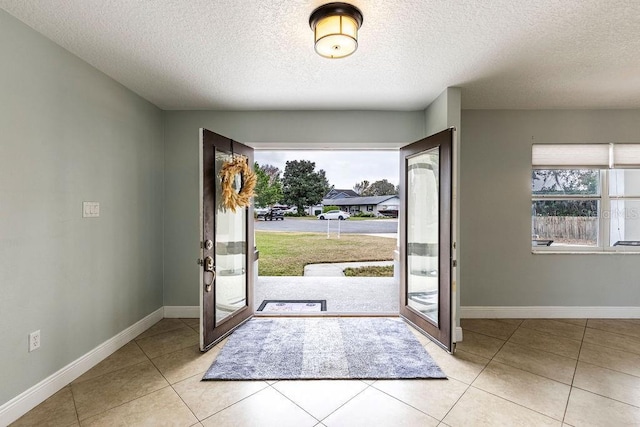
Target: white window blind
{"x": 592, "y": 156}
{"x": 626, "y": 156}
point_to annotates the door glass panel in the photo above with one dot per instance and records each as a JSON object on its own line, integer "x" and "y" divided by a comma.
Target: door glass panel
{"x": 625, "y": 222}
{"x": 230, "y": 251}
{"x": 423, "y": 232}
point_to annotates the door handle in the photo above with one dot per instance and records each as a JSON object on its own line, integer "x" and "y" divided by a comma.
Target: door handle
{"x": 208, "y": 267}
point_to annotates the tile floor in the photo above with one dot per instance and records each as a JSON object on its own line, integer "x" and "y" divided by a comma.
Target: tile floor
{"x": 536, "y": 372}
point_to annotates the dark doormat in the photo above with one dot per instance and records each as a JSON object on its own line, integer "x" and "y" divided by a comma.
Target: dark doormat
{"x": 323, "y": 348}
{"x": 293, "y": 306}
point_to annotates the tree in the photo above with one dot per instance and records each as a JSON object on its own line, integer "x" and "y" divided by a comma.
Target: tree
{"x": 272, "y": 171}
{"x": 268, "y": 189}
{"x": 380, "y": 188}
{"x": 361, "y": 187}
{"x": 302, "y": 185}
{"x": 565, "y": 182}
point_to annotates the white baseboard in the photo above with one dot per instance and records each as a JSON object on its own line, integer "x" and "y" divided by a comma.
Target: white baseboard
{"x": 549, "y": 312}
{"x": 23, "y": 403}
{"x": 181, "y": 311}
{"x": 457, "y": 337}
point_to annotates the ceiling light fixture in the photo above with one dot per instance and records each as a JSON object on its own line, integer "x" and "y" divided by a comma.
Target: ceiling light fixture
{"x": 335, "y": 27}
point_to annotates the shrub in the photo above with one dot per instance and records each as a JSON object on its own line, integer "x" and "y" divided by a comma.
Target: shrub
{"x": 364, "y": 214}
{"x": 330, "y": 208}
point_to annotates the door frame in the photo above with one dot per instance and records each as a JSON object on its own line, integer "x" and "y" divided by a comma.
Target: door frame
{"x": 442, "y": 333}
{"x": 210, "y": 334}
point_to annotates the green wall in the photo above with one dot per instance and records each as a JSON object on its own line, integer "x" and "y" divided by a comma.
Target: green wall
{"x": 498, "y": 268}
{"x": 69, "y": 134}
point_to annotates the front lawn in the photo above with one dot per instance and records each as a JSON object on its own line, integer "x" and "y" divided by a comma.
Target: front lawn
{"x": 286, "y": 254}
{"x": 370, "y": 271}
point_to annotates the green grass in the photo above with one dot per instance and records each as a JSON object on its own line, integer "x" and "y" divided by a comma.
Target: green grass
{"x": 370, "y": 271}
{"x": 286, "y": 254}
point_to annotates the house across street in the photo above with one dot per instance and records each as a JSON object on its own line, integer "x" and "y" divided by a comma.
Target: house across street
{"x": 349, "y": 201}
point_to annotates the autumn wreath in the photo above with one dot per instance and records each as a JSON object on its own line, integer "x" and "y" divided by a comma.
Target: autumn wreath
{"x": 232, "y": 199}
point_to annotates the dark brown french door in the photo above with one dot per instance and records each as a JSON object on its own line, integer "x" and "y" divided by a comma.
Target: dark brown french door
{"x": 227, "y": 246}
{"x": 425, "y": 236}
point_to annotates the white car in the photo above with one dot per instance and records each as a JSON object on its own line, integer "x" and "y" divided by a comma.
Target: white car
{"x": 334, "y": 215}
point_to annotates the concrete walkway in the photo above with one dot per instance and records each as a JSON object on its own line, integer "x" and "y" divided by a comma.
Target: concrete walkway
{"x": 337, "y": 269}
{"x": 343, "y": 294}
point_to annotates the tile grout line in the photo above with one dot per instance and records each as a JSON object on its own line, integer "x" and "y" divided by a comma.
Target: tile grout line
{"x": 575, "y": 369}
{"x": 556, "y": 336}
{"x": 606, "y": 397}
{"x": 617, "y": 332}
{"x": 476, "y": 377}
{"x": 171, "y": 352}
{"x": 613, "y": 348}
{"x": 75, "y": 407}
{"x": 609, "y": 369}
{"x": 171, "y": 385}
{"x": 409, "y": 404}
{"x": 349, "y": 400}
{"x": 535, "y": 348}
{"x": 283, "y": 395}
{"x": 233, "y": 404}
{"x": 500, "y": 397}
{"x": 183, "y": 402}
{"x": 128, "y": 401}
{"x": 516, "y": 403}
{"x": 124, "y": 403}
{"x": 482, "y": 370}
{"x": 544, "y": 351}
{"x": 163, "y": 332}
{"x": 492, "y": 336}
{"x": 457, "y": 400}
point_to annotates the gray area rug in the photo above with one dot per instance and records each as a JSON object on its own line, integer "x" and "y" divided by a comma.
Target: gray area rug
{"x": 323, "y": 348}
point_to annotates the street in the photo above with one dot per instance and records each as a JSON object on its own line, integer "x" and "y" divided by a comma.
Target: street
{"x": 377, "y": 226}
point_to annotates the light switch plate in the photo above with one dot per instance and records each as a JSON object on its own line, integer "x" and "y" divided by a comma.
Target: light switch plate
{"x": 90, "y": 209}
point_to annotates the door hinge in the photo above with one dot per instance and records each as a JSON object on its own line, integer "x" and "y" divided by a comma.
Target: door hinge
{"x": 200, "y": 261}
{"x": 454, "y": 263}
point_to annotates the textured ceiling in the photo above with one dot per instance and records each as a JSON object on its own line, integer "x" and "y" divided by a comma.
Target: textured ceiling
{"x": 256, "y": 55}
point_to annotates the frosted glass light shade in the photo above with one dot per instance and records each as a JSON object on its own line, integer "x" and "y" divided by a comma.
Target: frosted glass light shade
{"x": 336, "y": 36}
{"x": 335, "y": 27}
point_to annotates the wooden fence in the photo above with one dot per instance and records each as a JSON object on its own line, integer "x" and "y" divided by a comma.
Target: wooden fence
{"x": 571, "y": 228}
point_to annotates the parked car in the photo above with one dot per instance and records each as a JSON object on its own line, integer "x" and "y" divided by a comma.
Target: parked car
{"x": 340, "y": 215}
{"x": 271, "y": 215}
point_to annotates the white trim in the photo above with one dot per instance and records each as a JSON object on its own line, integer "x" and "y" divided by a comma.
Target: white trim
{"x": 181, "y": 311}
{"x": 29, "y": 399}
{"x": 457, "y": 337}
{"x": 549, "y": 312}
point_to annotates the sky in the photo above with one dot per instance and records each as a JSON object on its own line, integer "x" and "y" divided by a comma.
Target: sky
{"x": 343, "y": 168}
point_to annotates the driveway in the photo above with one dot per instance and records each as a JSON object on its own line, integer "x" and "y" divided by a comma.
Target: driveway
{"x": 377, "y": 226}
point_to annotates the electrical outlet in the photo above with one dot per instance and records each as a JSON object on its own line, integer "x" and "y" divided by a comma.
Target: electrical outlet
{"x": 34, "y": 340}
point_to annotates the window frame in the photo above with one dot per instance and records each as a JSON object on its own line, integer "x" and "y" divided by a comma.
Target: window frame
{"x": 552, "y": 197}
{"x": 604, "y": 216}
{"x": 610, "y": 198}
